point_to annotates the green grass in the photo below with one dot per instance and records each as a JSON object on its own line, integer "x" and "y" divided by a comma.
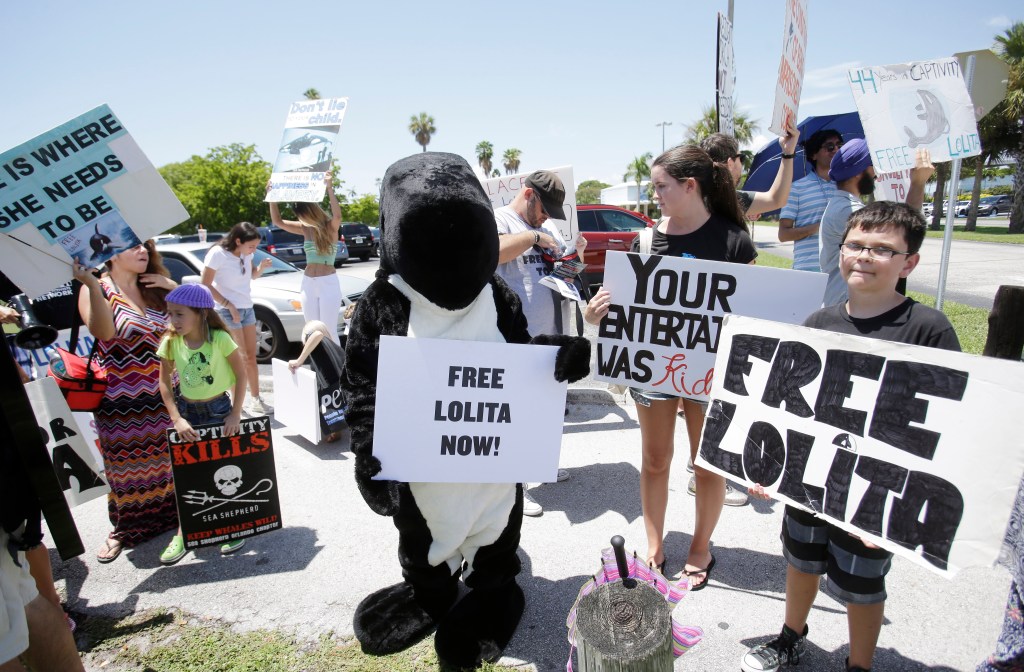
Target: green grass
{"x": 970, "y": 323}
{"x": 171, "y": 641}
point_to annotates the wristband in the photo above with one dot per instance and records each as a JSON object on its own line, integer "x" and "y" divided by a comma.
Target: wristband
{"x": 788, "y": 156}
{"x": 536, "y": 237}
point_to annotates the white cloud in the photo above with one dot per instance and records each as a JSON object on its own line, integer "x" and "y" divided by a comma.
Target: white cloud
{"x": 811, "y": 100}
{"x": 758, "y": 142}
{"x": 829, "y": 77}
{"x": 999, "y": 22}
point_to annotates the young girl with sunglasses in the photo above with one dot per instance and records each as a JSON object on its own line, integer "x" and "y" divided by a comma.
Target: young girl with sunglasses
{"x": 198, "y": 346}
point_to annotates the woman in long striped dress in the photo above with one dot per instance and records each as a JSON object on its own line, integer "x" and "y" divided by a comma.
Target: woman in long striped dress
{"x": 126, "y": 312}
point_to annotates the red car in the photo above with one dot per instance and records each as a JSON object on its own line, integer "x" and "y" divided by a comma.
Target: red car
{"x": 607, "y": 227}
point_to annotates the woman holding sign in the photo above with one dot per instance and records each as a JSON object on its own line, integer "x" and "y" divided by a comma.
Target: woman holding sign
{"x": 701, "y": 219}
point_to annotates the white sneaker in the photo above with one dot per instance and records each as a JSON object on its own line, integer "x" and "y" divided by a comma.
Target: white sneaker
{"x": 733, "y": 497}
{"x": 256, "y": 406}
{"x": 530, "y": 505}
{"x": 563, "y": 475}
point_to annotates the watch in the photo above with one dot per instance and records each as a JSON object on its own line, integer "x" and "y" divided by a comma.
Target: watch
{"x": 787, "y": 156}
{"x": 536, "y": 237}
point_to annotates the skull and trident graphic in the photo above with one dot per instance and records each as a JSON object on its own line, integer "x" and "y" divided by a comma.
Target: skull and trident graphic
{"x": 228, "y": 481}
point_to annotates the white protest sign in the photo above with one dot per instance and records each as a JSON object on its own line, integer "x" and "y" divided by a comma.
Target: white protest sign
{"x": 79, "y": 475}
{"x": 892, "y": 186}
{"x": 725, "y": 82}
{"x": 296, "y": 404}
{"x": 307, "y": 147}
{"x": 662, "y": 328}
{"x": 914, "y": 449}
{"x": 82, "y": 191}
{"x": 501, "y": 190}
{"x": 911, "y": 105}
{"x": 791, "y": 67}
{"x": 467, "y": 411}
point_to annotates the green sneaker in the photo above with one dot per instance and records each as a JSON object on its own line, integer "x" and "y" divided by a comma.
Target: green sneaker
{"x": 175, "y": 551}
{"x": 231, "y": 546}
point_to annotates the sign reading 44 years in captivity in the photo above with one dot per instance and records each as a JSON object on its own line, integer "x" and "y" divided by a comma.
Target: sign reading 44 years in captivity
{"x": 914, "y": 449}
{"x": 226, "y": 486}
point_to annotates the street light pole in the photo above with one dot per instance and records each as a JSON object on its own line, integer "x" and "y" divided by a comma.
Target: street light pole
{"x": 663, "y": 125}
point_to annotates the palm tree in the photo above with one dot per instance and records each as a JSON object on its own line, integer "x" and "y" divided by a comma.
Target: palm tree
{"x": 1011, "y": 47}
{"x": 422, "y": 127}
{"x": 638, "y": 169}
{"x": 744, "y": 128}
{"x": 312, "y": 94}
{"x": 998, "y": 136}
{"x": 510, "y": 159}
{"x": 495, "y": 173}
{"x": 484, "y": 154}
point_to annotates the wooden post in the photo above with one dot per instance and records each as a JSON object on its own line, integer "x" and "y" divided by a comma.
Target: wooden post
{"x": 625, "y": 629}
{"x": 1006, "y": 324}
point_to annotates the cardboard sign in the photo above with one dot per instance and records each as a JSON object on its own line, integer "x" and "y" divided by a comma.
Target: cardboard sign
{"x": 911, "y": 105}
{"x": 225, "y": 486}
{"x": 467, "y": 411}
{"x": 662, "y": 329}
{"x": 295, "y": 400}
{"x": 914, "y": 449}
{"x": 82, "y": 191}
{"x": 893, "y": 186}
{"x": 725, "y": 81}
{"x": 80, "y": 475}
{"x": 791, "y": 67}
{"x": 307, "y": 148}
{"x": 501, "y": 191}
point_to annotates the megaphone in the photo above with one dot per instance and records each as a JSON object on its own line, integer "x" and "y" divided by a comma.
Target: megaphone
{"x": 34, "y": 334}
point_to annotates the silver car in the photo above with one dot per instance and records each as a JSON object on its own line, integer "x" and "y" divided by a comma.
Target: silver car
{"x": 275, "y": 295}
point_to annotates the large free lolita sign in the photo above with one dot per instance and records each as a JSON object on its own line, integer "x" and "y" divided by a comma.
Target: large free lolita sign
{"x": 307, "y": 148}
{"x": 226, "y": 486}
{"x": 661, "y": 332}
{"x": 83, "y": 191}
{"x": 914, "y": 449}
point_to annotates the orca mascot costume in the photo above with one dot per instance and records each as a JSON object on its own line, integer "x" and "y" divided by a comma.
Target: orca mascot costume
{"x": 439, "y": 252}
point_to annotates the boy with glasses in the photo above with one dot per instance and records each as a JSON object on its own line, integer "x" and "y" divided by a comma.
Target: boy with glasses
{"x": 799, "y": 220}
{"x": 880, "y": 246}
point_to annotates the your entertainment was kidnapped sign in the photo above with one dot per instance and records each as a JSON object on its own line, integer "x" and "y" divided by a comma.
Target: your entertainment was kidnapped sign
{"x": 914, "y": 449}
{"x": 662, "y": 329}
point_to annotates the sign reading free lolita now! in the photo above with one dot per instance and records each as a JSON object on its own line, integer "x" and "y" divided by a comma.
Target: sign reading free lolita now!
{"x": 661, "y": 332}
{"x": 83, "y": 191}
{"x": 914, "y": 449}
{"x": 501, "y": 191}
{"x": 467, "y": 412}
{"x": 905, "y": 107}
{"x": 225, "y": 486}
{"x": 311, "y": 132}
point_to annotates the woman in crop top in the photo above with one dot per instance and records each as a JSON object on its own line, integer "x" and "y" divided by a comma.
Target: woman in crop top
{"x": 321, "y": 291}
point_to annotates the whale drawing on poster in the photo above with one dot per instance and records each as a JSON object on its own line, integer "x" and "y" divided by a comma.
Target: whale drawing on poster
{"x": 307, "y": 149}
{"x": 84, "y": 191}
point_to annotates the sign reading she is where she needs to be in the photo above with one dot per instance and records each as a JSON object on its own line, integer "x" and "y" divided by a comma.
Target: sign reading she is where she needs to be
{"x": 82, "y": 191}
{"x": 307, "y": 148}
{"x": 913, "y": 105}
{"x": 914, "y": 449}
{"x": 225, "y": 486}
{"x": 501, "y": 190}
{"x": 662, "y": 329}
{"x": 467, "y": 411}
{"x": 791, "y": 67}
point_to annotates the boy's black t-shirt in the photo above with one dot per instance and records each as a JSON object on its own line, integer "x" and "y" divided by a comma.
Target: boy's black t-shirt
{"x": 717, "y": 240}
{"x": 910, "y": 323}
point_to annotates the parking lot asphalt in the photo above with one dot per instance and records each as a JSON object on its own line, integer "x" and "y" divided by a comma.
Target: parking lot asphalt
{"x": 308, "y": 577}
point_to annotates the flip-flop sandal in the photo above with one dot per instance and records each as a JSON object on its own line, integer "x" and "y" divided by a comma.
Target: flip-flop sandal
{"x": 706, "y": 572}
{"x": 113, "y": 550}
{"x": 661, "y": 567}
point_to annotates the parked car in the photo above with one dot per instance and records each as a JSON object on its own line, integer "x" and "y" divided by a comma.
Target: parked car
{"x": 993, "y": 206}
{"x": 163, "y": 238}
{"x": 607, "y": 228}
{"x": 358, "y": 238}
{"x": 375, "y": 232}
{"x": 275, "y": 295}
{"x": 287, "y": 246}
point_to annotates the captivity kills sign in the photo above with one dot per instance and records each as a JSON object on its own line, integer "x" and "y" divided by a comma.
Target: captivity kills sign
{"x": 226, "y": 486}
{"x": 914, "y": 449}
{"x": 662, "y": 329}
{"x": 467, "y": 412}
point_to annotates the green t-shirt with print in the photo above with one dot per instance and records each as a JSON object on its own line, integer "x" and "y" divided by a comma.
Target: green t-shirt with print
{"x": 203, "y": 373}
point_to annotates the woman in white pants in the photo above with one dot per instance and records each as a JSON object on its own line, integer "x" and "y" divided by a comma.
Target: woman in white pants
{"x": 321, "y": 291}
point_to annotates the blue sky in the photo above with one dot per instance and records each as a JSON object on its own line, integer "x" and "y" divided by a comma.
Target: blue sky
{"x": 565, "y": 82}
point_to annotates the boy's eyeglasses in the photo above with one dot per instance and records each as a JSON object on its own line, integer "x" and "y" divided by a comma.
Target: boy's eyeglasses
{"x": 854, "y": 250}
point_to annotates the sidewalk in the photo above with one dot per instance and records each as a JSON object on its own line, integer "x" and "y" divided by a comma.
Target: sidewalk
{"x": 308, "y": 577}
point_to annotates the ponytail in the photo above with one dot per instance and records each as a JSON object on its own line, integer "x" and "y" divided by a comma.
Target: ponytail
{"x": 722, "y": 198}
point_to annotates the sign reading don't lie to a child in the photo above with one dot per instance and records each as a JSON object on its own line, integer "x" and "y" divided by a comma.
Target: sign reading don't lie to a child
{"x": 467, "y": 412}
{"x": 661, "y": 332}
